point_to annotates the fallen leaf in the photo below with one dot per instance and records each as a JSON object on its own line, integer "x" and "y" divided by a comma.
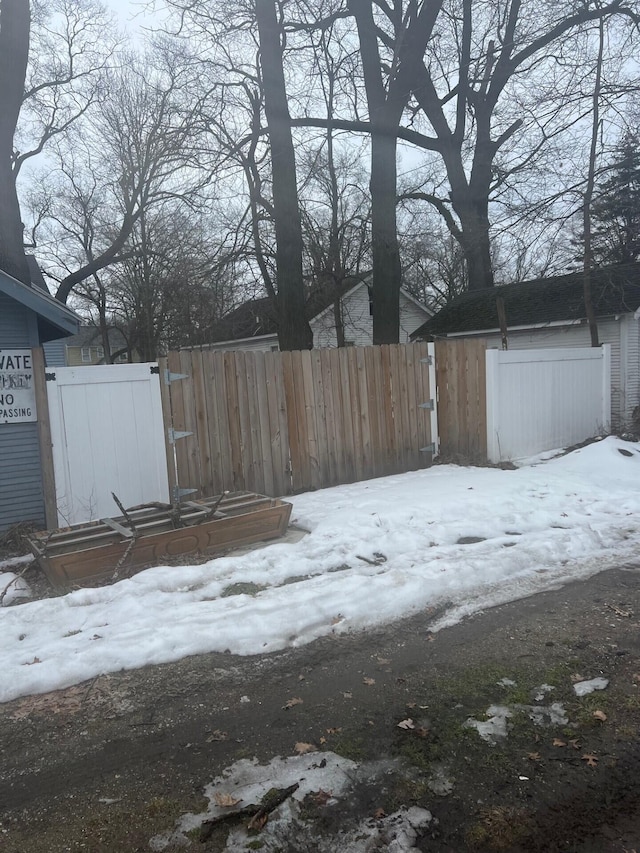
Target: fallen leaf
{"x": 323, "y": 740}
{"x": 31, "y": 662}
{"x": 412, "y": 704}
{"x": 430, "y": 638}
{"x": 600, "y": 715}
{"x": 337, "y": 619}
{"x": 368, "y": 681}
{"x": 406, "y": 724}
{"x": 592, "y": 760}
{"x": 334, "y": 731}
{"x": 421, "y": 732}
{"x": 217, "y": 736}
{"x": 576, "y": 677}
{"x": 322, "y": 797}
{"x": 225, "y": 801}
{"x": 575, "y": 743}
{"x": 558, "y": 742}
{"x": 347, "y": 695}
{"x": 291, "y": 703}
{"x": 301, "y": 747}
{"x": 534, "y": 756}
{"x": 379, "y": 814}
{"x": 258, "y": 821}
{"x": 383, "y": 661}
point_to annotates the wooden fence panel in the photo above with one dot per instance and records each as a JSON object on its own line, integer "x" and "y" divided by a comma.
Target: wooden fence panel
{"x": 292, "y": 421}
{"x": 462, "y": 408}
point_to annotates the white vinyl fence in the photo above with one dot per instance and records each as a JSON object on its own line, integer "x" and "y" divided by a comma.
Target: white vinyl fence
{"x": 538, "y": 400}
{"x": 107, "y": 436}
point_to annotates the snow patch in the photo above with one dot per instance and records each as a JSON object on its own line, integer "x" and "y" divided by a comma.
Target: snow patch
{"x": 582, "y": 688}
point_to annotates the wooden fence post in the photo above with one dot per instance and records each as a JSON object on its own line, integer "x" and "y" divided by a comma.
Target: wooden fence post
{"x": 44, "y": 439}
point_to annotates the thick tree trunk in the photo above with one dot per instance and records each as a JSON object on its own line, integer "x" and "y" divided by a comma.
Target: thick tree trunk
{"x": 14, "y": 52}
{"x": 476, "y": 245}
{"x": 294, "y": 332}
{"x": 384, "y": 238}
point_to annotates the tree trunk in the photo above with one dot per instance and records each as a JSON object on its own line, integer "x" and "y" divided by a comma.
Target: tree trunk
{"x": 14, "y": 52}
{"x": 588, "y": 195}
{"x": 294, "y": 332}
{"x": 384, "y": 238}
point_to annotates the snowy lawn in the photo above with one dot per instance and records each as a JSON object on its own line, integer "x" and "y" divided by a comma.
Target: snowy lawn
{"x": 377, "y": 551}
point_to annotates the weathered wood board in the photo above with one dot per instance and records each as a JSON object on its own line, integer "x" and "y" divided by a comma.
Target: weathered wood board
{"x": 89, "y": 553}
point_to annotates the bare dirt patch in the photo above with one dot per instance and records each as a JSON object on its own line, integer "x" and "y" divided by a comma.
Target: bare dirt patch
{"x": 107, "y": 765}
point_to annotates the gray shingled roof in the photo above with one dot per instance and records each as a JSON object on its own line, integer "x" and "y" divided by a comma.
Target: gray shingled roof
{"x": 615, "y": 290}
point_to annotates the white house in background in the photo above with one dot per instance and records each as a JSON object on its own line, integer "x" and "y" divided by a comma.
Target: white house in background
{"x": 550, "y": 312}
{"x": 253, "y": 325}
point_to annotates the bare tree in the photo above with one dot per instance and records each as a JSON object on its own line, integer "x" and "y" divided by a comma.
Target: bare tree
{"x": 130, "y": 155}
{"x": 294, "y": 331}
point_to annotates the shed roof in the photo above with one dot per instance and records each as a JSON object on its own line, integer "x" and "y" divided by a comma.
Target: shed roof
{"x": 615, "y": 290}
{"x": 55, "y": 320}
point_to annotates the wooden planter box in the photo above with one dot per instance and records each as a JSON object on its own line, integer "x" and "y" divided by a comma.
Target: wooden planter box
{"x": 113, "y": 547}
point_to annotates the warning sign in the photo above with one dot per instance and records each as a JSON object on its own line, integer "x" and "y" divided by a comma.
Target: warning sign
{"x": 17, "y": 392}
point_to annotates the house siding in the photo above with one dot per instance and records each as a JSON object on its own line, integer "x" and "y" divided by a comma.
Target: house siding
{"x": 609, "y": 331}
{"x": 632, "y": 408}
{"x": 358, "y": 322}
{"x": 21, "y": 497}
{"x": 54, "y": 353}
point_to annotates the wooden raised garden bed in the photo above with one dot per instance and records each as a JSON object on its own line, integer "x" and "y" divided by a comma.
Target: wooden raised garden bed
{"x": 150, "y": 536}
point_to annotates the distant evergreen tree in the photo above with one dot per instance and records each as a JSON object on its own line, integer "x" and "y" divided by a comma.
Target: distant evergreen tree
{"x": 616, "y": 212}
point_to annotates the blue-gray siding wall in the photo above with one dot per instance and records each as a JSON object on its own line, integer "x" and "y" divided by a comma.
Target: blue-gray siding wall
{"x": 21, "y": 497}
{"x": 55, "y": 353}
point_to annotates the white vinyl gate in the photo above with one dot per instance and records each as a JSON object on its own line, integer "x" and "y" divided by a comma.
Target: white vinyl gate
{"x": 107, "y": 436}
{"x": 542, "y": 399}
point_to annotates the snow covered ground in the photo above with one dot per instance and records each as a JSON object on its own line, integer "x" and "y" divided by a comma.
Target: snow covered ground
{"x": 376, "y": 551}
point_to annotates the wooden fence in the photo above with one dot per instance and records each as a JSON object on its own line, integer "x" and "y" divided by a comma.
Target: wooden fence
{"x": 277, "y": 423}
{"x": 462, "y": 399}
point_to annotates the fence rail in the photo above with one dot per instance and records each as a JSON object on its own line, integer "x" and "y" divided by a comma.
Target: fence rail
{"x": 281, "y": 422}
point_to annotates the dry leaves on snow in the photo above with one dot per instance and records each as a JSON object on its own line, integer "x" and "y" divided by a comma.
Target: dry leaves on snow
{"x": 225, "y": 801}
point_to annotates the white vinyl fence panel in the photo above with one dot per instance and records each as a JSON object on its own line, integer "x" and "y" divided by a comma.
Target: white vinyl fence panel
{"x": 108, "y": 436}
{"x": 542, "y": 399}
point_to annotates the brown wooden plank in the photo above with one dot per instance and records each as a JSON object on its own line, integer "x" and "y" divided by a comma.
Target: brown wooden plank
{"x": 44, "y": 438}
{"x": 482, "y": 399}
{"x": 233, "y": 419}
{"x": 410, "y": 357}
{"x": 212, "y": 395}
{"x": 334, "y": 361}
{"x": 399, "y": 457}
{"x": 295, "y": 445}
{"x": 386, "y": 385}
{"x": 178, "y": 418}
{"x": 330, "y": 419}
{"x": 371, "y": 357}
{"x": 366, "y": 459}
{"x": 264, "y": 426}
{"x": 201, "y": 422}
{"x": 254, "y": 455}
{"x": 279, "y": 432}
{"x": 322, "y": 438}
{"x": 165, "y": 399}
{"x": 350, "y": 412}
{"x": 188, "y": 361}
{"x": 247, "y": 460}
{"x": 351, "y": 359}
{"x": 312, "y": 417}
{"x": 304, "y": 460}
{"x": 426, "y": 392}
